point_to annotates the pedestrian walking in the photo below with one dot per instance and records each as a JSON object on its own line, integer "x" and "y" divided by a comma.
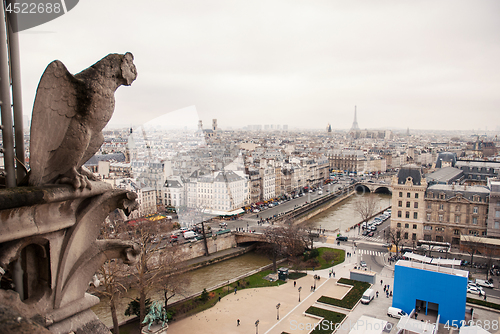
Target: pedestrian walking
{"x": 235, "y": 290}
{"x": 334, "y": 274}
{"x": 416, "y": 315}
{"x": 330, "y": 275}
{"x": 387, "y": 293}
{"x": 294, "y": 283}
{"x": 484, "y": 297}
{"x": 377, "y": 294}
{"x": 238, "y": 322}
{"x": 219, "y": 298}
{"x": 381, "y": 282}
{"x": 385, "y": 288}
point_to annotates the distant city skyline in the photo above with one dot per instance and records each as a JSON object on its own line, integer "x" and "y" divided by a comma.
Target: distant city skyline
{"x": 418, "y": 65}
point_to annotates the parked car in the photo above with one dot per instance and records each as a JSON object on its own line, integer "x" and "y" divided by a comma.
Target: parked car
{"x": 475, "y": 290}
{"x": 362, "y": 264}
{"x": 484, "y": 284}
{"x": 371, "y": 234}
{"x": 341, "y": 238}
{"x": 223, "y": 224}
{"x": 395, "y": 312}
{"x": 365, "y": 232}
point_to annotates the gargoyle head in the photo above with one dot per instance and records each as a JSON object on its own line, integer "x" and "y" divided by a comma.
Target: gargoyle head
{"x": 130, "y": 254}
{"x": 129, "y": 203}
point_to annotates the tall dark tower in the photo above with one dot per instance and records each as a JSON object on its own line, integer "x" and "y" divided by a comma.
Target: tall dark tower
{"x": 355, "y": 126}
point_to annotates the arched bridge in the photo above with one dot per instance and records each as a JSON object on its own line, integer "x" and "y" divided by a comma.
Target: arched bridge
{"x": 374, "y": 187}
{"x": 242, "y": 237}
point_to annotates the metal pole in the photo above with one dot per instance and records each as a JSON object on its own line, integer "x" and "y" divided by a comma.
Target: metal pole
{"x": 15, "y": 68}
{"x": 7, "y": 134}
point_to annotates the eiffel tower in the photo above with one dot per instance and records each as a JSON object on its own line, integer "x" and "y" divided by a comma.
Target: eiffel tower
{"x": 355, "y": 126}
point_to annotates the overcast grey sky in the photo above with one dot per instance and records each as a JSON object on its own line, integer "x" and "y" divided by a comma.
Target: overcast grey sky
{"x": 423, "y": 64}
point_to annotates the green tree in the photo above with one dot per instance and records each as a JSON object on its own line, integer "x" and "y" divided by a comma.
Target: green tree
{"x": 134, "y": 307}
{"x": 204, "y": 295}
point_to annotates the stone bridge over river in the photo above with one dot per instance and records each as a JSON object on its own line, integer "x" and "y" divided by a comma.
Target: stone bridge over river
{"x": 242, "y": 237}
{"x": 374, "y": 187}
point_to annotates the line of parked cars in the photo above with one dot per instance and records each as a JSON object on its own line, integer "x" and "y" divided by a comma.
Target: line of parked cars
{"x": 269, "y": 205}
{"x": 476, "y": 287}
{"x": 371, "y": 226}
{"x": 479, "y": 284}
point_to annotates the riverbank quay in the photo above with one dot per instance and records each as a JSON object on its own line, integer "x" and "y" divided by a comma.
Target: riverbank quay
{"x": 191, "y": 304}
{"x": 317, "y": 205}
{"x": 131, "y": 324}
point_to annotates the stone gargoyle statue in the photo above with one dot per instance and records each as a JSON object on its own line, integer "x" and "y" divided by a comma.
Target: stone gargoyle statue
{"x": 69, "y": 114}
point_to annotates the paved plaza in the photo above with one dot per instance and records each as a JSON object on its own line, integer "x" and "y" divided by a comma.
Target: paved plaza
{"x": 250, "y": 305}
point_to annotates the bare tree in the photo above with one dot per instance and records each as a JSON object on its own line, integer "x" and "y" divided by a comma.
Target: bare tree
{"x": 172, "y": 280}
{"x": 288, "y": 240}
{"x": 470, "y": 244}
{"x": 112, "y": 272}
{"x": 366, "y": 206}
{"x": 293, "y": 239}
{"x": 395, "y": 237}
{"x": 273, "y": 244}
{"x": 489, "y": 253}
{"x": 148, "y": 267}
{"x": 309, "y": 233}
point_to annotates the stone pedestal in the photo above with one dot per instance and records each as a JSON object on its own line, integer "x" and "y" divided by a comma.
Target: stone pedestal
{"x": 155, "y": 329}
{"x": 49, "y": 251}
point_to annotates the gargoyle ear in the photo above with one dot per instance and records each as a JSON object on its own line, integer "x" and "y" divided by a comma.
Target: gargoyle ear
{"x": 129, "y": 72}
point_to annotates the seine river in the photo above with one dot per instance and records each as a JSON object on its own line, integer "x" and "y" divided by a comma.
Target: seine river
{"x": 342, "y": 215}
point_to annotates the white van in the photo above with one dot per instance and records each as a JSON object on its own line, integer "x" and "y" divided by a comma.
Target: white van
{"x": 395, "y": 312}
{"x": 368, "y": 296}
{"x": 484, "y": 283}
{"x": 189, "y": 235}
